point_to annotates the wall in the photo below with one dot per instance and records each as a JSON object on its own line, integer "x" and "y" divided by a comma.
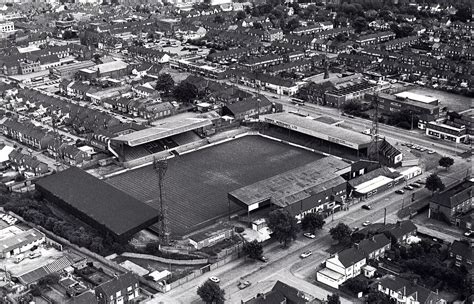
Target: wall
{"x": 165, "y": 260}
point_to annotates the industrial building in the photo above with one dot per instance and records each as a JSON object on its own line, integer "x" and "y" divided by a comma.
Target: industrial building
{"x": 97, "y": 203}
{"x": 21, "y": 242}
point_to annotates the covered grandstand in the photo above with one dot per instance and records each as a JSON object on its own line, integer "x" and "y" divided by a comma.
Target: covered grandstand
{"x": 166, "y": 135}
{"x": 104, "y": 207}
{"x": 316, "y": 134}
{"x": 314, "y": 187}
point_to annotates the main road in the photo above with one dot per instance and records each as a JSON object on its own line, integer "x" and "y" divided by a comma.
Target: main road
{"x": 287, "y": 266}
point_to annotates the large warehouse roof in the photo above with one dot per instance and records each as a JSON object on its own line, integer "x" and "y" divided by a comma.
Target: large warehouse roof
{"x": 338, "y": 135}
{"x": 106, "y": 205}
{"x": 167, "y": 127}
{"x": 294, "y": 185}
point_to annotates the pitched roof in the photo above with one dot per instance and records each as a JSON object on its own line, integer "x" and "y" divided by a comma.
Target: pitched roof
{"x": 400, "y": 228}
{"x": 463, "y": 249}
{"x": 374, "y": 243}
{"x": 397, "y": 284}
{"x": 350, "y": 256}
{"x": 455, "y": 195}
{"x": 118, "y": 283}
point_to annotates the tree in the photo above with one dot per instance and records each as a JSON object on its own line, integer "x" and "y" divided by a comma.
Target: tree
{"x": 356, "y": 285}
{"x": 219, "y": 19}
{"x": 152, "y": 247}
{"x": 446, "y": 162}
{"x": 341, "y": 233}
{"x": 165, "y": 83}
{"x": 283, "y": 225}
{"x": 312, "y": 221}
{"x": 253, "y": 249}
{"x": 240, "y": 15}
{"x": 434, "y": 183}
{"x": 360, "y": 24}
{"x": 185, "y": 92}
{"x": 334, "y": 299}
{"x": 210, "y": 292}
{"x": 377, "y": 297}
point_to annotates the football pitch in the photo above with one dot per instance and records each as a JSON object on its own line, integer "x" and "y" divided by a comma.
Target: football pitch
{"x": 196, "y": 184}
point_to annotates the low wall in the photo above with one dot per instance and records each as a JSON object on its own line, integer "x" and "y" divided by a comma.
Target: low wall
{"x": 164, "y": 260}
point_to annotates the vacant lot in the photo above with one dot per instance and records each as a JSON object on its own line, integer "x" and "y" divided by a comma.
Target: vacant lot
{"x": 196, "y": 184}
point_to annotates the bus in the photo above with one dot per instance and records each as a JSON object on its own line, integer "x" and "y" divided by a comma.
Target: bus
{"x": 297, "y": 101}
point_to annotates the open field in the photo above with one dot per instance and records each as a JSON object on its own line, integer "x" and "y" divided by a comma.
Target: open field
{"x": 196, "y": 184}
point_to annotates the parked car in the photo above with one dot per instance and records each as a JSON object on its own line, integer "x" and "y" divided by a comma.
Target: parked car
{"x": 244, "y": 284}
{"x": 306, "y": 254}
{"x": 408, "y": 187}
{"x": 431, "y": 152}
{"x": 415, "y": 185}
{"x": 366, "y": 207}
{"x": 309, "y": 235}
{"x": 469, "y": 233}
{"x": 420, "y": 181}
{"x": 263, "y": 259}
{"x": 400, "y": 191}
{"x": 35, "y": 254}
{"x": 214, "y": 279}
{"x": 366, "y": 223}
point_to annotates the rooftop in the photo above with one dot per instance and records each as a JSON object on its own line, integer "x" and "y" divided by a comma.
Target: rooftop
{"x": 21, "y": 239}
{"x": 105, "y": 204}
{"x": 455, "y": 195}
{"x": 167, "y": 127}
{"x": 293, "y": 186}
{"x": 341, "y": 136}
{"x": 417, "y": 97}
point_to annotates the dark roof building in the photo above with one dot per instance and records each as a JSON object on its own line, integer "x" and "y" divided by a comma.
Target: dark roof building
{"x": 407, "y": 292}
{"x": 281, "y": 293}
{"x": 97, "y": 203}
{"x": 121, "y": 289}
{"x": 462, "y": 252}
{"x": 452, "y": 203}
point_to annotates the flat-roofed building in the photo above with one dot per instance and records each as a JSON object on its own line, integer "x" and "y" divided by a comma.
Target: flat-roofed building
{"x": 20, "y": 242}
{"x": 69, "y": 70}
{"x": 426, "y": 109}
{"x": 447, "y": 131}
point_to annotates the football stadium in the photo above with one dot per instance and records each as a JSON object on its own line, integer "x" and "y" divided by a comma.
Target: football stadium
{"x": 197, "y": 184}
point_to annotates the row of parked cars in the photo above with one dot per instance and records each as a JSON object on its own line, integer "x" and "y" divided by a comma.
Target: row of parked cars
{"x": 418, "y": 148}
{"x": 10, "y": 220}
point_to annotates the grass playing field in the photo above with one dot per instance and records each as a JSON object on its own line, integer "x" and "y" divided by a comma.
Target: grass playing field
{"x": 196, "y": 184}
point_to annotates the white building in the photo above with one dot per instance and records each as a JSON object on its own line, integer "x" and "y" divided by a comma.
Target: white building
{"x": 7, "y": 27}
{"x": 341, "y": 267}
{"x": 21, "y": 242}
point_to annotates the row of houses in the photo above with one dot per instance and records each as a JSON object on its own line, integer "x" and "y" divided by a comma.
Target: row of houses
{"x": 351, "y": 262}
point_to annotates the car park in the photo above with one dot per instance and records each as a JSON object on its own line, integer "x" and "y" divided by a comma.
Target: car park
{"x": 214, "y": 279}
{"x": 366, "y": 207}
{"x": 400, "y": 191}
{"x": 366, "y": 223}
{"x": 309, "y": 235}
{"x": 306, "y": 254}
